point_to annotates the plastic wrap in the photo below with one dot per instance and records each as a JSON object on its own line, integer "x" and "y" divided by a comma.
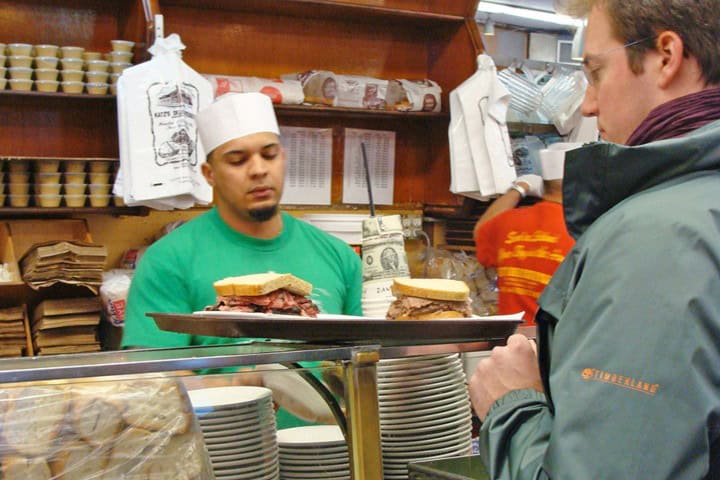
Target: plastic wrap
{"x": 139, "y": 429}
{"x": 288, "y": 92}
{"x": 460, "y": 266}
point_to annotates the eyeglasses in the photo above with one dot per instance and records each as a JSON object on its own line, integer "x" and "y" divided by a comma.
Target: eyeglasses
{"x": 591, "y": 74}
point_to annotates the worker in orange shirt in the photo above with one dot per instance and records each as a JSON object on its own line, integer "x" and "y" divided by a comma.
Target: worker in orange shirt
{"x": 525, "y": 244}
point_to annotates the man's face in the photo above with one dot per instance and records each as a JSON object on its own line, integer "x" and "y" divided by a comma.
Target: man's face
{"x": 619, "y": 98}
{"x": 247, "y": 175}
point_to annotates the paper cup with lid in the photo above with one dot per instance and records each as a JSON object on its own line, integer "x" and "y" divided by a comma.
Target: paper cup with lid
{"x": 72, "y": 75}
{"x": 97, "y": 88}
{"x": 72, "y": 63}
{"x": 47, "y": 201}
{"x": 97, "y": 65}
{"x": 20, "y": 73}
{"x": 47, "y": 85}
{"x": 72, "y": 87}
{"x": 75, "y": 201}
{"x": 74, "y": 166}
{"x": 118, "y": 67}
{"x": 87, "y": 56}
{"x": 19, "y": 49}
{"x": 46, "y": 50}
{"x": 72, "y": 52}
{"x": 46, "y": 62}
{"x": 19, "y": 200}
{"x": 99, "y": 166}
{"x": 120, "y": 57}
{"x": 122, "y": 45}
{"x": 20, "y": 84}
{"x": 47, "y": 165}
{"x": 46, "y": 73}
{"x": 25, "y": 61}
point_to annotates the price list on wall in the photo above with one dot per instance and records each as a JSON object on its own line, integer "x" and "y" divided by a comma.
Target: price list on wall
{"x": 309, "y": 165}
{"x": 380, "y": 149}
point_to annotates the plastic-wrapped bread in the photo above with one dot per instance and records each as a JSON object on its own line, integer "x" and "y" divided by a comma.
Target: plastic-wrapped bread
{"x": 414, "y": 96}
{"x": 124, "y": 428}
{"x": 33, "y": 419}
{"x": 21, "y": 468}
{"x": 93, "y": 418}
{"x": 180, "y": 459}
{"x": 319, "y": 86}
{"x": 169, "y": 411}
{"x": 354, "y": 91}
{"x": 285, "y": 91}
{"x": 78, "y": 461}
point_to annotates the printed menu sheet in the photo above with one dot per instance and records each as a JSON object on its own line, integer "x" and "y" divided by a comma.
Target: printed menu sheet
{"x": 380, "y": 149}
{"x": 309, "y": 165}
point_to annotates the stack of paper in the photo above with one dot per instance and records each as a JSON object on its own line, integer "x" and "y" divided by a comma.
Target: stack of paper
{"x": 13, "y": 340}
{"x": 68, "y": 325}
{"x": 75, "y": 262}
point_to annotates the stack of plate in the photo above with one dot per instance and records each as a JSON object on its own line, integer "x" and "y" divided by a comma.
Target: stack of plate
{"x": 238, "y": 424}
{"x": 313, "y": 452}
{"x": 424, "y": 411}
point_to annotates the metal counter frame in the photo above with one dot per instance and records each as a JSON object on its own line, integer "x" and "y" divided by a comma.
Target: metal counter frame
{"x": 360, "y": 376}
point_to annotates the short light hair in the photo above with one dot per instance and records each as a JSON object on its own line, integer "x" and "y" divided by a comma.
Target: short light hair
{"x": 696, "y": 22}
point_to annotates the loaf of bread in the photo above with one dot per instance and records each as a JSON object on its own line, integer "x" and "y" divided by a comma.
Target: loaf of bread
{"x": 21, "y": 468}
{"x": 33, "y": 418}
{"x": 180, "y": 459}
{"x": 78, "y": 461}
{"x": 157, "y": 406}
{"x": 130, "y": 429}
{"x": 95, "y": 420}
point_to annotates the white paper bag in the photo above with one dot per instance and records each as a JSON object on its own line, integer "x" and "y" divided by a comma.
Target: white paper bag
{"x": 478, "y": 134}
{"x": 160, "y": 152}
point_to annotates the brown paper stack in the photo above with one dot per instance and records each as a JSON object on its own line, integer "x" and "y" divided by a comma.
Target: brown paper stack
{"x": 13, "y": 339}
{"x": 76, "y": 263}
{"x": 68, "y": 325}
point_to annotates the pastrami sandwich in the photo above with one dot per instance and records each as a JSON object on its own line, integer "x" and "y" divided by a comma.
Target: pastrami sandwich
{"x": 428, "y": 299}
{"x": 270, "y": 292}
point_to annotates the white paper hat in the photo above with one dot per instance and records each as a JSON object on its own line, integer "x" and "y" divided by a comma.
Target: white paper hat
{"x": 552, "y": 159}
{"x": 233, "y": 116}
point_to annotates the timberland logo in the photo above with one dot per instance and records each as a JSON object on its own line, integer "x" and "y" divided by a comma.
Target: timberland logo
{"x": 593, "y": 374}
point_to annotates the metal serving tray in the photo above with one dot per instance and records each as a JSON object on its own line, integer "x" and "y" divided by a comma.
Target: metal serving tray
{"x": 336, "y": 329}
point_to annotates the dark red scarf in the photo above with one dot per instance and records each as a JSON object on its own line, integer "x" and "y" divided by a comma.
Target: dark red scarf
{"x": 678, "y": 117}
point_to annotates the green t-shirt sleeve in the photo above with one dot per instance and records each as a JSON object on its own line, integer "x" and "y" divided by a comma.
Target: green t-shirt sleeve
{"x": 353, "y": 301}
{"x": 158, "y": 285}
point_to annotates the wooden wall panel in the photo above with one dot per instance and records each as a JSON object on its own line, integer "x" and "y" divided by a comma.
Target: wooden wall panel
{"x": 54, "y": 126}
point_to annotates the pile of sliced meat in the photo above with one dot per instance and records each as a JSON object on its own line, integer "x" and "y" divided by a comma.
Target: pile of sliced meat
{"x": 278, "y": 301}
{"x": 416, "y": 306}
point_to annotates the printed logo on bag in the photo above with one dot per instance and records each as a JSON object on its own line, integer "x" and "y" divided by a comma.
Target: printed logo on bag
{"x": 173, "y": 108}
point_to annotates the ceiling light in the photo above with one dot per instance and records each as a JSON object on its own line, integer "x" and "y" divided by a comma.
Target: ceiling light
{"x": 489, "y": 29}
{"x": 526, "y": 13}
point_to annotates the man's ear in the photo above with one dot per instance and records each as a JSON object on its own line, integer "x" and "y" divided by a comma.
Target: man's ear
{"x": 671, "y": 49}
{"x": 207, "y": 171}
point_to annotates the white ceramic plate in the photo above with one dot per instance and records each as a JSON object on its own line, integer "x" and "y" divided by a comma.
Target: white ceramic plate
{"x": 459, "y": 404}
{"x": 313, "y": 435}
{"x": 224, "y": 396}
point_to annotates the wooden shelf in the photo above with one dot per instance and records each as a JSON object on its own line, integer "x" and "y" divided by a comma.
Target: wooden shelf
{"x": 46, "y": 95}
{"x": 356, "y": 11}
{"x": 57, "y": 212}
{"x": 323, "y": 111}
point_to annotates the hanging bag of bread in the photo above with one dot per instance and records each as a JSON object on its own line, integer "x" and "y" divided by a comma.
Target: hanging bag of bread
{"x": 160, "y": 155}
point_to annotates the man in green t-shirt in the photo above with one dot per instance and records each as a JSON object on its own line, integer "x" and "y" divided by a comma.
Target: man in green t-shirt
{"x": 243, "y": 233}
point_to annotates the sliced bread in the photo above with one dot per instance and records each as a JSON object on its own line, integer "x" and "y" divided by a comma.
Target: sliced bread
{"x": 261, "y": 283}
{"x": 432, "y": 288}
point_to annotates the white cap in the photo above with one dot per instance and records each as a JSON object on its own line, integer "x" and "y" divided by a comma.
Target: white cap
{"x": 233, "y": 116}
{"x": 552, "y": 159}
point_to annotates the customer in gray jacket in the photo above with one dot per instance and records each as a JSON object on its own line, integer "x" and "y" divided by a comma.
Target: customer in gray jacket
{"x": 626, "y": 380}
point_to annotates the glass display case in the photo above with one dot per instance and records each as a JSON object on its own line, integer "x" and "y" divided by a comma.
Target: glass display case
{"x": 59, "y": 403}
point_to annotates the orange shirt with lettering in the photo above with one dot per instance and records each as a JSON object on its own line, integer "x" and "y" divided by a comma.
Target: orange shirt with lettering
{"x": 526, "y": 245}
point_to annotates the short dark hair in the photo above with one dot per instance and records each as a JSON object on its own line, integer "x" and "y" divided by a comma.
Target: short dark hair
{"x": 696, "y": 22}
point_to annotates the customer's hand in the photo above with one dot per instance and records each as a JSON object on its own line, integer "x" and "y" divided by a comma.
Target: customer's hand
{"x": 533, "y": 184}
{"x": 512, "y": 367}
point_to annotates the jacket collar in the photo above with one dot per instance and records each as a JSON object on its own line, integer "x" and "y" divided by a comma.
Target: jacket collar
{"x": 600, "y": 175}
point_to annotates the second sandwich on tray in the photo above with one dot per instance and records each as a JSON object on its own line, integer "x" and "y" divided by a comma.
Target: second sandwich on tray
{"x": 428, "y": 299}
